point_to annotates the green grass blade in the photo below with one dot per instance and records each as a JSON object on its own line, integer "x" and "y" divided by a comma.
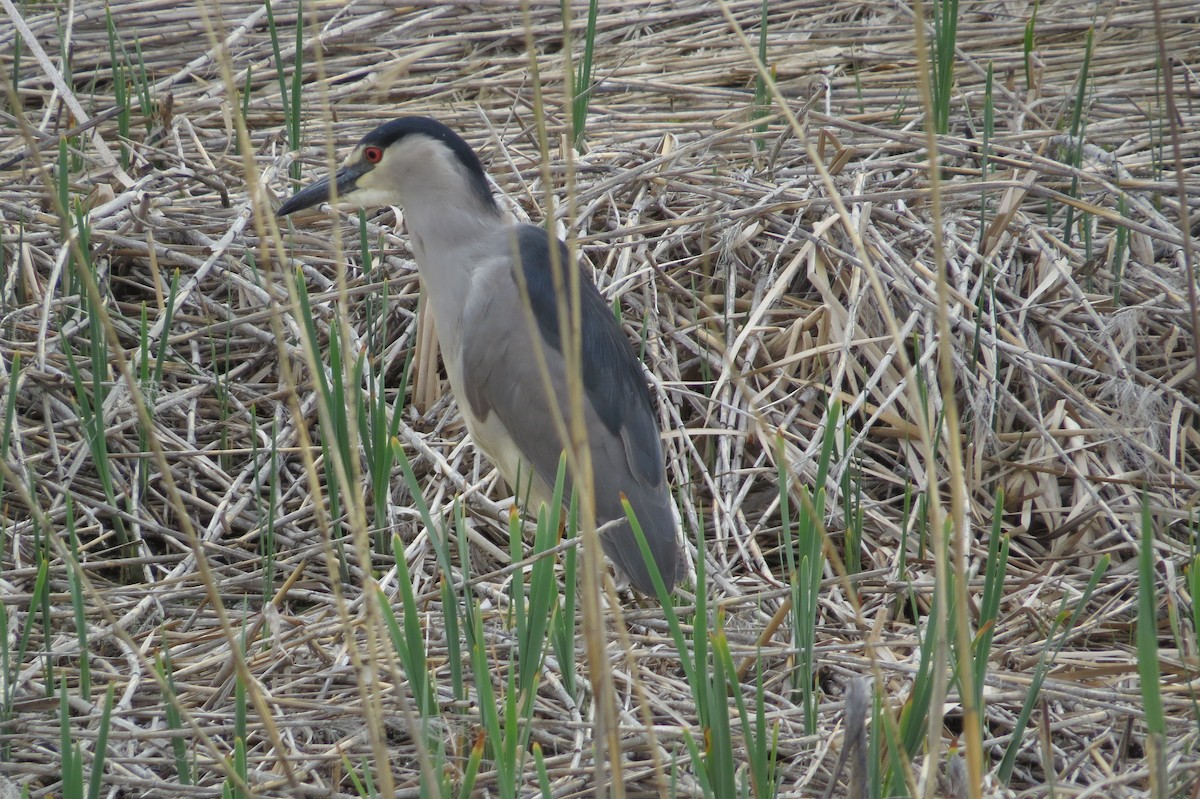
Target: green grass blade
{"x": 995, "y": 568}
{"x": 945, "y": 40}
{"x": 98, "y": 756}
{"x": 581, "y": 84}
{"x": 1078, "y": 125}
{"x": 71, "y": 765}
{"x": 293, "y": 109}
{"x": 1029, "y": 43}
{"x": 280, "y": 73}
{"x": 1054, "y": 645}
{"x": 1149, "y": 671}
{"x": 78, "y": 604}
{"x": 472, "y": 769}
{"x": 409, "y": 641}
{"x": 179, "y": 749}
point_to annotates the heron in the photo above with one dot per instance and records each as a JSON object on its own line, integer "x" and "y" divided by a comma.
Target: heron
{"x": 489, "y": 281}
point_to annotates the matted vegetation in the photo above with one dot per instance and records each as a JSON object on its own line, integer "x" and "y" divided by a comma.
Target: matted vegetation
{"x": 212, "y": 432}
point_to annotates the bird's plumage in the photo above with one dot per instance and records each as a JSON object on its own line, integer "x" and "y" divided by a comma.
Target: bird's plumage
{"x": 468, "y": 253}
{"x": 622, "y": 434}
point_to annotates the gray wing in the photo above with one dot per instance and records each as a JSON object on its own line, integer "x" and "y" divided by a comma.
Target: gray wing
{"x": 501, "y": 377}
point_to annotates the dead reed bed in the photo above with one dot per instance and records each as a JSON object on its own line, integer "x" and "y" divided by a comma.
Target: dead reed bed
{"x": 761, "y": 292}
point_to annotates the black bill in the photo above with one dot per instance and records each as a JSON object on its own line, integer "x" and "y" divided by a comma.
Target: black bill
{"x": 318, "y": 192}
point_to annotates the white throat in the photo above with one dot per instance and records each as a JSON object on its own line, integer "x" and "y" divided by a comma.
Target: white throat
{"x": 455, "y": 230}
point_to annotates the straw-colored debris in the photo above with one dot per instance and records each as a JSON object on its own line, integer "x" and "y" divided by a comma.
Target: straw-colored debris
{"x": 759, "y": 300}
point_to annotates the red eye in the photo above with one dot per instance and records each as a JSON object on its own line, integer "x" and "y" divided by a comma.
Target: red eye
{"x": 373, "y": 155}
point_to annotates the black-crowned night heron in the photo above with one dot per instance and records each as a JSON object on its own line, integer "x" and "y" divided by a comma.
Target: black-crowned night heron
{"x": 468, "y": 254}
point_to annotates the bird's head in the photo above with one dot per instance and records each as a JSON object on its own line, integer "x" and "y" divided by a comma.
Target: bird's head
{"x": 407, "y": 160}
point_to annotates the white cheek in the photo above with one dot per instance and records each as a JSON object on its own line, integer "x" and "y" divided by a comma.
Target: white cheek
{"x": 369, "y": 197}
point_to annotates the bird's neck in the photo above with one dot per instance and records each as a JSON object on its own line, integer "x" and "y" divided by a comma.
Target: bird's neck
{"x": 452, "y": 233}
{"x": 454, "y": 236}
{"x": 446, "y": 224}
